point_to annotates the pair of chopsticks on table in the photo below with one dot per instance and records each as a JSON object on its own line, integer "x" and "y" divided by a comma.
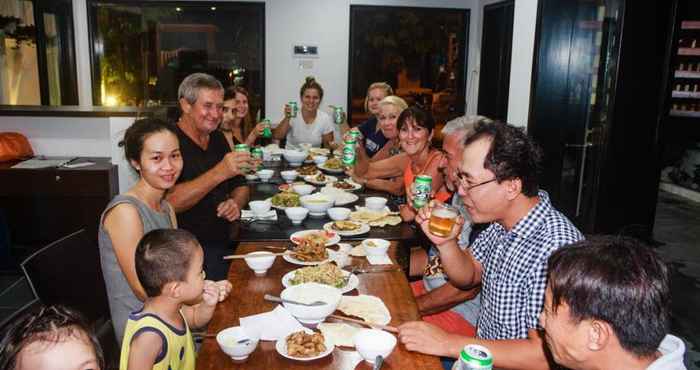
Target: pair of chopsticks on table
{"x": 391, "y": 329}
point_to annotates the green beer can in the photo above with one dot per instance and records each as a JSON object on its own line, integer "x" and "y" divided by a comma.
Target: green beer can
{"x": 257, "y": 154}
{"x": 421, "y": 191}
{"x": 267, "y": 132}
{"x": 349, "y": 153}
{"x": 475, "y": 357}
{"x": 338, "y": 115}
{"x": 355, "y": 134}
{"x": 242, "y": 148}
{"x": 293, "y": 109}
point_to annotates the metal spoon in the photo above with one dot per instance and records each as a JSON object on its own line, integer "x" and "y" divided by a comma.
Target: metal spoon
{"x": 272, "y": 298}
{"x": 378, "y": 362}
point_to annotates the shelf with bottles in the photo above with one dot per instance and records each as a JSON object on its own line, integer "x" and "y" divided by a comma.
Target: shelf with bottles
{"x": 690, "y": 25}
{"x": 684, "y": 113}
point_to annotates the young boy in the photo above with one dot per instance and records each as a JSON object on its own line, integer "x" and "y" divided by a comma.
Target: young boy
{"x": 169, "y": 266}
{"x": 52, "y": 338}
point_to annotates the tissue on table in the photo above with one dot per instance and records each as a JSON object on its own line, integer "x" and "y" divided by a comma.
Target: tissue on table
{"x": 273, "y": 325}
{"x": 248, "y": 214}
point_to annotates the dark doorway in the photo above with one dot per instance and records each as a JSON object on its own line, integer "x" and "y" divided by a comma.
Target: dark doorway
{"x": 496, "y": 44}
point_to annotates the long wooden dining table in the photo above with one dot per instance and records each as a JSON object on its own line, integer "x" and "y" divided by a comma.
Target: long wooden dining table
{"x": 247, "y": 299}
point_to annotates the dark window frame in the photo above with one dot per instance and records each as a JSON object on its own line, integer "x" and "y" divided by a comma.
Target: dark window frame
{"x": 95, "y": 73}
{"x": 463, "y": 51}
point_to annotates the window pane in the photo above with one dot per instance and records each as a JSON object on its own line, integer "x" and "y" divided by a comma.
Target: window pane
{"x": 143, "y": 51}
{"x": 420, "y": 52}
{"x": 19, "y": 71}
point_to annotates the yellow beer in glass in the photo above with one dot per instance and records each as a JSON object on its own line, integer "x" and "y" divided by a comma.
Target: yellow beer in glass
{"x": 442, "y": 220}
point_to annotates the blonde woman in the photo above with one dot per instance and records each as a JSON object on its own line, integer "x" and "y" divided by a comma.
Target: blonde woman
{"x": 372, "y": 135}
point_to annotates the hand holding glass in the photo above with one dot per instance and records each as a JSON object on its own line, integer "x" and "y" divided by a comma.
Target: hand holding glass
{"x": 442, "y": 220}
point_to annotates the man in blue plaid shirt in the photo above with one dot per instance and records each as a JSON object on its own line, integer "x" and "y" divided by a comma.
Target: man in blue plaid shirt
{"x": 498, "y": 185}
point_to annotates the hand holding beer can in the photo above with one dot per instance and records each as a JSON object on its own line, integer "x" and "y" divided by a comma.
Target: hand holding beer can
{"x": 474, "y": 357}
{"x": 292, "y": 109}
{"x": 442, "y": 220}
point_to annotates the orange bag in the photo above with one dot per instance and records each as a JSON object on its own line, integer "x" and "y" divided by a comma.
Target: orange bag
{"x": 14, "y": 145}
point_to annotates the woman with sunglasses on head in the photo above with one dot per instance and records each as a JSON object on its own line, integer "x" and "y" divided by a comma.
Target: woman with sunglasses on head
{"x": 238, "y": 125}
{"x": 371, "y": 135}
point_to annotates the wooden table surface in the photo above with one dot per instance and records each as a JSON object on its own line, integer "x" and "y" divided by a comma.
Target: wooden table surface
{"x": 247, "y": 299}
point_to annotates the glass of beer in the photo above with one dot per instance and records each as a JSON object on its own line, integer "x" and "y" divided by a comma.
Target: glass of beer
{"x": 442, "y": 220}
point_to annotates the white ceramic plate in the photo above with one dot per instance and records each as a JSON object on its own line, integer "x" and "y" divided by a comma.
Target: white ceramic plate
{"x": 353, "y": 282}
{"x": 333, "y": 237}
{"x": 364, "y": 228}
{"x": 355, "y": 186}
{"x": 281, "y": 208}
{"x": 290, "y": 258}
{"x": 331, "y": 170}
{"x": 281, "y": 347}
{"x": 312, "y": 180}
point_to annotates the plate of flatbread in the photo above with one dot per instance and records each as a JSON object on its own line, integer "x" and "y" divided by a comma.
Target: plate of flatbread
{"x": 347, "y": 228}
{"x": 367, "y": 307}
{"x": 375, "y": 218}
{"x": 340, "y": 334}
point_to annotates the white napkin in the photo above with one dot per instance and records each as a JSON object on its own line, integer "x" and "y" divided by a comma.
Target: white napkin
{"x": 380, "y": 260}
{"x": 248, "y": 214}
{"x": 272, "y": 325}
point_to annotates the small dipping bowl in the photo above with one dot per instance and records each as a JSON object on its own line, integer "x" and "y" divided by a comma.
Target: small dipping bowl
{"x": 375, "y": 203}
{"x": 376, "y": 247}
{"x": 228, "y": 342}
{"x": 338, "y": 213}
{"x": 296, "y": 214}
{"x": 260, "y": 207}
{"x": 265, "y": 175}
{"x": 320, "y": 159}
{"x": 371, "y": 343}
{"x": 303, "y": 189}
{"x": 289, "y": 176}
{"x": 260, "y": 265}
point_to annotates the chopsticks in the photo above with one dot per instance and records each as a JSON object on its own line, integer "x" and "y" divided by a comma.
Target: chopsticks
{"x": 388, "y": 328}
{"x": 242, "y": 256}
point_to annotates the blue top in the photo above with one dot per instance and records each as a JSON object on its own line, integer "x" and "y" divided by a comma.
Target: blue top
{"x": 374, "y": 139}
{"x": 514, "y": 264}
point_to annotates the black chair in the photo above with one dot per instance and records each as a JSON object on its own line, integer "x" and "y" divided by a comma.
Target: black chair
{"x": 68, "y": 272}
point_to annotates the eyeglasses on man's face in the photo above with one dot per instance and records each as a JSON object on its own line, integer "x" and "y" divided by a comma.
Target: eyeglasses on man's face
{"x": 467, "y": 185}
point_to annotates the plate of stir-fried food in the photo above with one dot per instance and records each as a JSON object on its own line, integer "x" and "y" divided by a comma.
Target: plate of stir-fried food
{"x": 285, "y": 199}
{"x": 305, "y": 345}
{"x": 307, "y": 170}
{"x": 323, "y": 237}
{"x": 333, "y": 165}
{"x": 310, "y": 249}
{"x": 325, "y": 273}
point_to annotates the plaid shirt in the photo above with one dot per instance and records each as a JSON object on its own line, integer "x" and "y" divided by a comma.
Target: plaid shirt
{"x": 515, "y": 269}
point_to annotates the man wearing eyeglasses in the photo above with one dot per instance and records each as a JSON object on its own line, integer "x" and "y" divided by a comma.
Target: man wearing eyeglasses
{"x": 498, "y": 185}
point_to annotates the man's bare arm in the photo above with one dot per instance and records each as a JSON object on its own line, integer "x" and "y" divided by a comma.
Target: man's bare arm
{"x": 444, "y": 298}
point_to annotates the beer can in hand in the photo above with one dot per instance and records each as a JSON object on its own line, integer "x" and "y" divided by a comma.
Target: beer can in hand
{"x": 421, "y": 190}
{"x": 475, "y": 357}
{"x": 338, "y": 115}
{"x": 257, "y": 154}
{"x": 267, "y": 132}
{"x": 242, "y": 148}
{"x": 349, "y": 153}
{"x": 293, "y": 109}
{"x": 442, "y": 220}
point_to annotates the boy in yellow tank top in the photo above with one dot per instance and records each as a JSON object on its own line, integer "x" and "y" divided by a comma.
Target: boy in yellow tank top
{"x": 169, "y": 266}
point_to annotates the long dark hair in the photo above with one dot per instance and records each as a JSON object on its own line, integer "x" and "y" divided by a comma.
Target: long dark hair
{"x": 248, "y": 121}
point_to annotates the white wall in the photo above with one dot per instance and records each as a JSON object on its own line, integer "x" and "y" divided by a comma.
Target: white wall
{"x": 524, "y": 27}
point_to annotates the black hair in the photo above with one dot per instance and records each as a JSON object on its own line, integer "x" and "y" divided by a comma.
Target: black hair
{"x": 420, "y": 117}
{"x": 138, "y": 132}
{"x": 618, "y": 280}
{"x": 52, "y": 324}
{"x": 512, "y": 154}
{"x": 163, "y": 256}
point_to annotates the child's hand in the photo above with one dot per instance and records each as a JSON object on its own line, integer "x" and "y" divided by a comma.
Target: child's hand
{"x": 224, "y": 287}
{"x": 210, "y": 296}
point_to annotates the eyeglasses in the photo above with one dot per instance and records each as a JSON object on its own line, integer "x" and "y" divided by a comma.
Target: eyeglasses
{"x": 463, "y": 182}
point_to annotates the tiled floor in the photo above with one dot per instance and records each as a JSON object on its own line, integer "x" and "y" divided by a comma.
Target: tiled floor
{"x": 677, "y": 227}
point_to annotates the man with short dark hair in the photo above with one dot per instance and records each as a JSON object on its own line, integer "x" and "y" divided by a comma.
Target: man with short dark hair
{"x": 211, "y": 190}
{"x": 607, "y": 307}
{"x": 498, "y": 184}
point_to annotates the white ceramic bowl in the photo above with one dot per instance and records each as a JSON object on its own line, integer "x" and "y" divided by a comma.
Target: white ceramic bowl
{"x": 317, "y": 204}
{"x": 376, "y": 247}
{"x": 375, "y": 203}
{"x": 289, "y": 176}
{"x": 251, "y": 177}
{"x": 371, "y": 343}
{"x": 229, "y": 337}
{"x": 339, "y": 213}
{"x": 303, "y": 189}
{"x": 260, "y": 265}
{"x": 296, "y": 214}
{"x": 265, "y": 175}
{"x": 260, "y": 207}
{"x": 320, "y": 159}
{"x": 310, "y": 292}
{"x": 294, "y": 157}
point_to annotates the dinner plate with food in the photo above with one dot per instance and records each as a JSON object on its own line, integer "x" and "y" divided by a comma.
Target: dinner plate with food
{"x": 341, "y": 197}
{"x": 306, "y": 345}
{"x": 325, "y": 273}
{"x": 320, "y": 179}
{"x": 319, "y": 151}
{"x": 333, "y": 165}
{"x": 308, "y": 170}
{"x": 288, "y": 187}
{"x": 347, "y": 228}
{"x": 326, "y": 238}
{"x": 346, "y": 185}
{"x": 284, "y": 200}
